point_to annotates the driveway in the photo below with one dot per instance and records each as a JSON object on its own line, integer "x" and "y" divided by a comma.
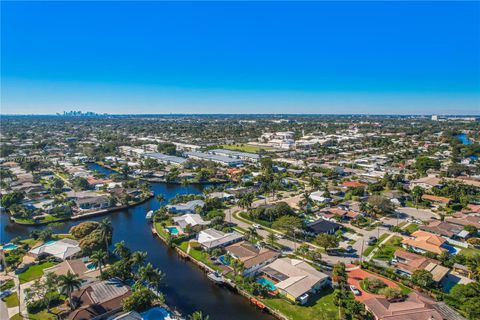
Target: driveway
{"x": 357, "y": 274}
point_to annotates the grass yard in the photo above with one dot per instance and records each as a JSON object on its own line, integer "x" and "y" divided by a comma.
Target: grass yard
{"x": 319, "y": 307}
{"x": 34, "y": 272}
{"x": 199, "y": 255}
{"x": 470, "y": 252}
{"x": 411, "y": 228}
{"x": 11, "y": 300}
{"x": 369, "y": 249}
{"x": 385, "y": 252}
{"x": 7, "y": 285}
{"x": 243, "y": 148}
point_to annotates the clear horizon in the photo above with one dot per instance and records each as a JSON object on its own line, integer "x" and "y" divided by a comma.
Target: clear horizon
{"x": 379, "y": 58}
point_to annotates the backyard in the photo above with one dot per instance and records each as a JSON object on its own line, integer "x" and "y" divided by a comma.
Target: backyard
{"x": 319, "y": 307}
{"x": 386, "y": 251}
{"x": 34, "y": 272}
{"x": 11, "y": 300}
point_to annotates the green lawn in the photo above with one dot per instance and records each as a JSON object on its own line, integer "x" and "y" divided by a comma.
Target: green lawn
{"x": 369, "y": 249}
{"x": 11, "y": 300}
{"x": 470, "y": 252}
{"x": 412, "y": 227}
{"x": 199, "y": 255}
{"x": 34, "y": 272}
{"x": 7, "y": 284}
{"x": 385, "y": 252}
{"x": 243, "y": 148}
{"x": 42, "y": 315}
{"x": 319, "y": 307}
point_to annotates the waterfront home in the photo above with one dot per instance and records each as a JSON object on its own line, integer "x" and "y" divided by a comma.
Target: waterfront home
{"x": 422, "y": 242}
{"x": 61, "y": 249}
{"x": 414, "y": 307}
{"x": 408, "y": 262}
{"x": 189, "y": 219}
{"x": 211, "y": 238}
{"x": 294, "y": 278}
{"x": 187, "y": 207}
{"x": 253, "y": 258}
{"x": 93, "y": 203}
{"x": 99, "y": 300}
{"x": 220, "y": 195}
{"x": 322, "y": 226}
{"x": 75, "y": 266}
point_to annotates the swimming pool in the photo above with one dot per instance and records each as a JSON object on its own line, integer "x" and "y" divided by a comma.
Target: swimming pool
{"x": 156, "y": 313}
{"x": 267, "y": 284}
{"x": 173, "y": 230}
{"x": 91, "y": 266}
{"x": 451, "y": 249}
{"x": 223, "y": 260}
{"x": 9, "y": 246}
{"x": 50, "y": 242}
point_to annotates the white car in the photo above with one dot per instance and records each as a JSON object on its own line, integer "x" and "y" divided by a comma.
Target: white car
{"x": 355, "y": 290}
{"x": 256, "y": 226}
{"x": 279, "y": 236}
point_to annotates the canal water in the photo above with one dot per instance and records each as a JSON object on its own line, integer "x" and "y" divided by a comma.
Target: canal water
{"x": 186, "y": 287}
{"x": 463, "y": 138}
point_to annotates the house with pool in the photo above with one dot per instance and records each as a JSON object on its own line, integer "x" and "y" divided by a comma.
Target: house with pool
{"x": 61, "y": 249}
{"x": 187, "y": 207}
{"x": 210, "y": 238}
{"x": 293, "y": 278}
{"x": 253, "y": 258}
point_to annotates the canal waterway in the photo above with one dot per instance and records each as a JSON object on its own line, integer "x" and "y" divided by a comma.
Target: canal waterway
{"x": 186, "y": 287}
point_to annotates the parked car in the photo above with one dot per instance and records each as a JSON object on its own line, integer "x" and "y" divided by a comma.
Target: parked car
{"x": 355, "y": 290}
{"x": 256, "y": 226}
{"x": 371, "y": 240}
{"x": 279, "y": 236}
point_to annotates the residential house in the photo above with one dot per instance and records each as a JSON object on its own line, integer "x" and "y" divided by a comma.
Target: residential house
{"x": 426, "y": 182}
{"x": 187, "y": 207}
{"x": 75, "y": 266}
{"x": 322, "y": 226}
{"x": 354, "y": 184}
{"x": 92, "y": 203}
{"x": 253, "y": 258}
{"x": 318, "y": 196}
{"x": 414, "y": 307}
{"x": 61, "y": 249}
{"x": 295, "y": 278}
{"x": 189, "y": 219}
{"x": 99, "y": 300}
{"x": 422, "y": 241}
{"x": 409, "y": 262}
{"x": 445, "y": 229}
{"x": 435, "y": 200}
{"x": 464, "y": 220}
{"x": 211, "y": 238}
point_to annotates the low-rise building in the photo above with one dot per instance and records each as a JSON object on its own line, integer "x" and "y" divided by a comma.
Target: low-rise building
{"x": 211, "y": 238}
{"x": 422, "y": 241}
{"x": 322, "y": 226}
{"x": 187, "y": 207}
{"x": 407, "y": 263}
{"x": 189, "y": 219}
{"x": 253, "y": 258}
{"x": 295, "y": 278}
{"x": 61, "y": 249}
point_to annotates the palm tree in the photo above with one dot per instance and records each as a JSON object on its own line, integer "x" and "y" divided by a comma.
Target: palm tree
{"x": 251, "y": 233}
{"x": 138, "y": 258}
{"x": 197, "y": 315}
{"x": 98, "y": 259}
{"x": 271, "y": 239}
{"x": 153, "y": 277}
{"x": 68, "y": 283}
{"x": 121, "y": 250}
{"x": 160, "y": 198}
{"x": 106, "y": 230}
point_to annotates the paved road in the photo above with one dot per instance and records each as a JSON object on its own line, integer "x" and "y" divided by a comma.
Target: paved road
{"x": 420, "y": 214}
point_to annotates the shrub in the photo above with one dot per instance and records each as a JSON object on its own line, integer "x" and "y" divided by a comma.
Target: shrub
{"x": 373, "y": 285}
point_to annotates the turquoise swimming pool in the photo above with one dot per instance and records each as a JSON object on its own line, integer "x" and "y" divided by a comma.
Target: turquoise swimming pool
{"x": 9, "y": 246}
{"x": 223, "y": 260}
{"x": 173, "y": 230}
{"x": 156, "y": 313}
{"x": 267, "y": 284}
{"x": 91, "y": 266}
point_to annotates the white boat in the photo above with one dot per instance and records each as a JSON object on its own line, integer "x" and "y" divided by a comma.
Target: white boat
{"x": 216, "y": 277}
{"x": 149, "y": 215}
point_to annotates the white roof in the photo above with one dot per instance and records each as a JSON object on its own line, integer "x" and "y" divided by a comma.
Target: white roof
{"x": 212, "y": 238}
{"x": 61, "y": 249}
{"x": 189, "y": 219}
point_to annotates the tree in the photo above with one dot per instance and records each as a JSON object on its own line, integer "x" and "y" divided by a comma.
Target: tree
{"x": 417, "y": 193}
{"x": 197, "y": 315}
{"x": 423, "y": 278}
{"x": 289, "y": 225}
{"x": 380, "y": 205}
{"x": 251, "y": 234}
{"x": 153, "y": 277}
{"x": 472, "y": 308}
{"x": 326, "y": 241}
{"x": 98, "y": 260}
{"x": 271, "y": 239}
{"x": 106, "y": 230}
{"x": 391, "y": 293}
{"x": 121, "y": 250}
{"x": 160, "y": 198}
{"x": 11, "y": 198}
{"x": 339, "y": 273}
{"x": 68, "y": 283}
{"x": 140, "y": 300}
{"x": 422, "y": 164}
{"x": 137, "y": 258}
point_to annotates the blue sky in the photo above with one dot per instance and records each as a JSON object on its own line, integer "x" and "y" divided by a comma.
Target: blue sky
{"x": 250, "y": 57}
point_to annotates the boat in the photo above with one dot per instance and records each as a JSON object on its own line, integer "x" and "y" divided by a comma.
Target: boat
{"x": 149, "y": 215}
{"x": 216, "y": 277}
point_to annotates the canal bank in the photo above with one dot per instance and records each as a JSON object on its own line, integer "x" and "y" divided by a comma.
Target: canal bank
{"x": 187, "y": 288}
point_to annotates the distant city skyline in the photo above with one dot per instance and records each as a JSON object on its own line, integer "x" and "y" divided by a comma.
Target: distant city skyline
{"x": 233, "y": 58}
